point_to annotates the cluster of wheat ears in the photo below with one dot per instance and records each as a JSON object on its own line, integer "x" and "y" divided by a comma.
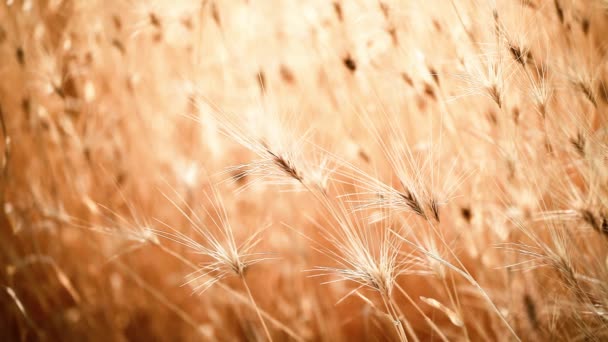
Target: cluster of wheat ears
{"x": 304, "y": 170}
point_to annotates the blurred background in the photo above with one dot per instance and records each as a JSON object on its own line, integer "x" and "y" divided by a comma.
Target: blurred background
{"x": 123, "y": 121}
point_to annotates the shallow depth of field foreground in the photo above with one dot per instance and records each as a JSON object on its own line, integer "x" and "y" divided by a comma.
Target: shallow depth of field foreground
{"x": 314, "y": 170}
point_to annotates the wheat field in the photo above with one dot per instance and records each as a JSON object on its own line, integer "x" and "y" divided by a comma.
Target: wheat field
{"x": 313, "y": 170}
